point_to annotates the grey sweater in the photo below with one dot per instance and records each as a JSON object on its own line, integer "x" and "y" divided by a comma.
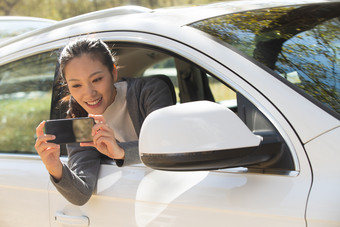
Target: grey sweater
{"x": 80, "y": 175}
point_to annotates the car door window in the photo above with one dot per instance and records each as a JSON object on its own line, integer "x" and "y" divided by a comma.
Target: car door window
{"x": 317, "y": 72}
{"x": 25, "y": 100}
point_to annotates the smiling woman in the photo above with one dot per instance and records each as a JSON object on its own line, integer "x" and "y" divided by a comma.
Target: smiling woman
{"x": 84, "y": 66}
{"x": 90, "y": 83}
{"x": 89, "y": 76}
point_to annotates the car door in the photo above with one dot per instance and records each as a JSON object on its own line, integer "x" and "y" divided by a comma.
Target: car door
{"x": 25, "y": 97}
{"x": 268, "y": 195}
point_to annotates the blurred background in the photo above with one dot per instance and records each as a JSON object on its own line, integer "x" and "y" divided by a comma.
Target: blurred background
{"x": 62, "y": 9}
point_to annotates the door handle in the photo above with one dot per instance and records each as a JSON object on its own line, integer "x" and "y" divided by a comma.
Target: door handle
{"x": 64, "y": 219}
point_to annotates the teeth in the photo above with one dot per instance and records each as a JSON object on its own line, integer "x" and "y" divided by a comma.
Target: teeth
{"x": 94, "y": 102}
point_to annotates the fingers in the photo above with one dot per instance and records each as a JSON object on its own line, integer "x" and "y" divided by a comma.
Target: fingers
{"x": 90, "y": 144}
{"x": 101, "y": 127}
{"x": 104, "y": 138}
{"x": 48, "y": 152}
{"x": 42, "y": 143}
{"x": 98, "y": 118}
{"x": 100, "y": 123}
{"x": 103, "y": 133}
{"x": 109, "y": 148}
{"x": 99, "y": 130}
{"x": 42, "y": 146}
{"x": 40, "y": 129}
{"x": 41, "y": 137}
{"x": 43, "y": 140}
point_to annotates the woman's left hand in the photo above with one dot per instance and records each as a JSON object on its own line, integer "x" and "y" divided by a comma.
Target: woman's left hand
{"x": 104, "y": 139}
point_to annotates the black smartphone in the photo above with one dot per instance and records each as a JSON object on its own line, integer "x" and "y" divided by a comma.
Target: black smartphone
{"x": 72, "y": 130}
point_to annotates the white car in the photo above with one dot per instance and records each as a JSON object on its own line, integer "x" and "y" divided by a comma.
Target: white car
{"x": 254, "y": 139}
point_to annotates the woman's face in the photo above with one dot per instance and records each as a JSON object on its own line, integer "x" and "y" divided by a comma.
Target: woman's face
{"x": 90, "y": 83}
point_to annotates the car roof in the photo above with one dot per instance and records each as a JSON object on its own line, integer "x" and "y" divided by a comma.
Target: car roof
{"x": 137, "y": 18}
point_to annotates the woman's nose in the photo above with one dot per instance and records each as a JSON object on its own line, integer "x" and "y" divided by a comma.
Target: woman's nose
{"x": 91, "y": 91}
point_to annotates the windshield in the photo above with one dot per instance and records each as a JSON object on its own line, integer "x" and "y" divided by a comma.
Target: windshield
{"x": 300, "y": 43}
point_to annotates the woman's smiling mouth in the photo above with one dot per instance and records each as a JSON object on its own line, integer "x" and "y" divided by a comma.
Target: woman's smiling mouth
{"x": 95, "y": 102}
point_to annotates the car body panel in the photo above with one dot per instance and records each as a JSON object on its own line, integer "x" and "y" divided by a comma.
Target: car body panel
{"x": 326, "y": 180}
{"x": 153, "y": 197}
{"x": 23, "y": 191}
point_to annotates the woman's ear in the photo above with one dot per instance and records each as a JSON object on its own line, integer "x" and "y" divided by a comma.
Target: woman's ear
{"x": 115, "y": 73}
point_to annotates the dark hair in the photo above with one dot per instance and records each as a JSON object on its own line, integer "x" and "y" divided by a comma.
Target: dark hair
{"x": 96, "y": 49}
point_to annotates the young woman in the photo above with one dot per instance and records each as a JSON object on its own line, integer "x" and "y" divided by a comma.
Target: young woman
{"x": 119, "y": 108}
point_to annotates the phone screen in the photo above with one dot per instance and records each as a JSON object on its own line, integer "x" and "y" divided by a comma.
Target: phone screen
{"x": 73, "y": 130}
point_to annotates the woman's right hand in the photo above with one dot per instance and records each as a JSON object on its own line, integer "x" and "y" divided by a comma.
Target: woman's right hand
{"x": 49, "y": 152}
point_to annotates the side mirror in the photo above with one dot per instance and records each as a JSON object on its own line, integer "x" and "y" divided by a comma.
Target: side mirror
{"x": 198, "y": 135}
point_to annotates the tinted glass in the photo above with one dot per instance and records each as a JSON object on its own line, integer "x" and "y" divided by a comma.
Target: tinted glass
{"x": 25, "y": 100}
{"x": 300, "y": 43}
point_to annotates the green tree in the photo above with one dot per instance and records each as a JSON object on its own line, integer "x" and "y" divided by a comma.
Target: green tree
{"x": 6, "y": 6}
{"x": 62, "y": 9}
{"x": 299, "y": 43}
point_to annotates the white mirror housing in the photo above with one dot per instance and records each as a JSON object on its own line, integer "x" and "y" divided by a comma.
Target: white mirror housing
{"x": 195, "y": 136}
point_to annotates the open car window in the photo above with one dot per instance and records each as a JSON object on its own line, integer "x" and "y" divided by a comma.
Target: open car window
{"x": 192, "y": 83}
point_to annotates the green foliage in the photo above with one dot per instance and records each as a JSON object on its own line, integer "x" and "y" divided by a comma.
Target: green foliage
{"x": 303, "y": 49}
{"x": 62, "y": 9}
{"x": 18, "y": 124}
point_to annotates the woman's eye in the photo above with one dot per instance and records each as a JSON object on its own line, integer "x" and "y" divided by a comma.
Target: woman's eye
{"x": 97, "y": 79}
{"x": 76, "y": 85}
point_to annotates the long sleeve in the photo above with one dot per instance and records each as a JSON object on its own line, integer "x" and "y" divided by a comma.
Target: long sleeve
{"x": 79, "y": 175}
